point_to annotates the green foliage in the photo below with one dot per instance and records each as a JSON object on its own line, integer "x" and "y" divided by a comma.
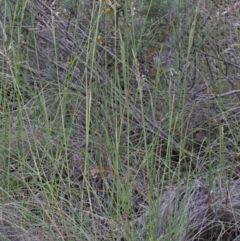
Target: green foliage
{"x": 158, "y": 9}
{"x": 113, "y": 126}
{"x": 70, "y": 5}
{"x": 160, "y": 17}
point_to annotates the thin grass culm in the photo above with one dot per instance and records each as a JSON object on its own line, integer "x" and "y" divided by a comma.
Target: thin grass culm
{"x": 119, "y": 120}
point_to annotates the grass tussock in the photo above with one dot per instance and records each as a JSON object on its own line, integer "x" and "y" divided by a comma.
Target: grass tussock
{"x": 119, "y": 120}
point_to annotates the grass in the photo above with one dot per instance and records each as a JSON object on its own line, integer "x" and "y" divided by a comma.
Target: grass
{"x": 119, "y": 121}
